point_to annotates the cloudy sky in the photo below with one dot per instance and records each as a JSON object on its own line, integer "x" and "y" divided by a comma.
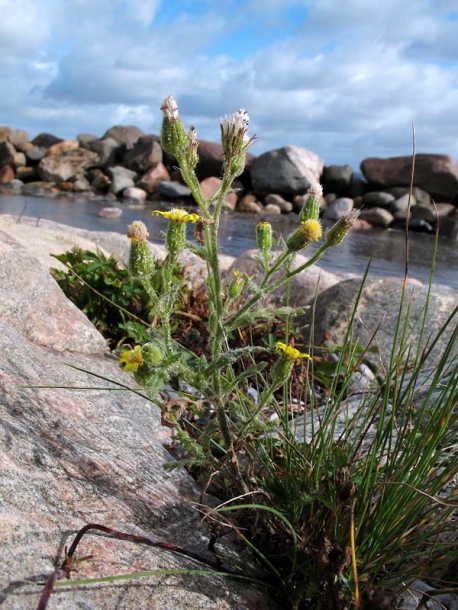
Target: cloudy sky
{"x": 343, "y": 78}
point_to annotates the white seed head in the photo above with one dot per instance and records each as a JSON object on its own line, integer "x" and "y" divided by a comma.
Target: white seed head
{"x": 170, "y": 108}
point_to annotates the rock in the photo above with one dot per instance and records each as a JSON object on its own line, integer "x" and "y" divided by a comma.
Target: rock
{"x": 448, "y": 227}
{"x": 121, "y": 178}
{"x": 285, "y": 206}
{"x": 110, "y": 212}
{"x": 5, "y": 134}
{"x": 424, "y": 212}
{"x": 107, "y": 150}
{"x": 99, "y": 180}
{"x": 304, "y": 286}
{"x": 73, "y": 457}
{"x": 81, "y": 185}
{"x": 6, "y": 174}
{"x": 134, "y": 194}
{"x": 288, "y": 171}
{"x": 152, "y": 177}
{"x": 271, "y": 208}
{"x": 31, "y": 304}
{"x": 445, "y": 209}
{"x": 420, "y": 195}
{"x": 62, "y": 147}
{"x": 379, "y": 217}
{"x": 18, "y": 137}
{"x": 39, "y": 189}
{"x": 377, "y": 199}
{"x": 399, "y": 207}
{"x": 143, "y": 156}
{"x": 45, "y": 140}
{"x": 249, "y": 203}
{"x": 35, "y": 153}
{"x": 173, "y": 190}
{"x": 28, "y": 174}
{"x": 338, "y": 208}
{"x": 123, "y": 134}
{"x": 210, "y": 185}
{"x": 211, "y": 160}
{"x": 377, "y": 312}
{"x": 7, "y": 154}
{"x": 85, "y": 139}
{"x": 436, "y": 174}
{"x": 337, "y": 179}
{"x": 358, "y": 188}
{"x": 63, "y": 167}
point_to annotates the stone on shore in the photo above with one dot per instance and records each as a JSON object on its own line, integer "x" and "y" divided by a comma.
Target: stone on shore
{"x": 72, "y": 457}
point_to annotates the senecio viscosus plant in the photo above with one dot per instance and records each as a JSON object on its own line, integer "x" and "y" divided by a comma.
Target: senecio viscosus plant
{"x": 213, "y": 378}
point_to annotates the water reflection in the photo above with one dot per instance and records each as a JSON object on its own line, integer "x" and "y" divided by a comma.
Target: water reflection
{"x": 386, "y": 248}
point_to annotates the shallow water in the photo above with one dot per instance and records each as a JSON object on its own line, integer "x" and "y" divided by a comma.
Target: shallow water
{"x": 237, "y": 234}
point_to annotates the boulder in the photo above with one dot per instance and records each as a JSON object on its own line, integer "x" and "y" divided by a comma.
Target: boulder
{"x": 273, "y": 199}
{"x": 107, "y": 150}
{"x": 144, "y": 155}
{"x": 5, "y": 134}
{"x": 149, "y": 181}
{"x": 18, "y": 138}
{"x": 85, "y": 139}
{"x": 134, "y": 194}
{"x": 62, "y": 147}
{"x": 173, "y": 190}
{"x": 337, "y": 179}
{"x": 211, "y": 160}
{"x": 6, "y": 174}
{"x": 338, "y": 208}
{"x": 7, "y": 154}
{"x": 45, "y": 140}
{"x": 210, "y": 185}
{"x": 376, "y": 314}
{"x": 121, "y": 178}
{"x": 378, "y": 199}
{"x": 61, "y": 168}
{"x": 436, "y": 174}
{"x": 72, "y": 457}
{"x": 35, "y": 153}
{"x": 123, "y": 134}
{"x": 400, "y": 206}
{"x": 379, "y": 217}
{"x": 288, "y": 171}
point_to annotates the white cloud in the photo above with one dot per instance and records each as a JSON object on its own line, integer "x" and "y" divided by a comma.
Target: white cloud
{"x": 345, "y": 79}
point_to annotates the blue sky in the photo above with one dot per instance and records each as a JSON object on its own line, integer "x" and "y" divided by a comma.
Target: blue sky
{"x": 342, "y": 78}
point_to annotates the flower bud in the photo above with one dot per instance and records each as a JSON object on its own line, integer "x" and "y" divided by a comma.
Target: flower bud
{"x": 141, "y": 263}
{"x": 235, "y": 141}
{"x": 311, "y": 209}
{"x": 190, "y": 152}
{"x": 237, "y": 285}
{"x": 309, "y": 231}
{"x": 264, "y": 236}
{"x": 282, "y": 368}
{"x": 176, "y": 233}
{"x": 174, "y": 138}
{"x": 336, "y": 234}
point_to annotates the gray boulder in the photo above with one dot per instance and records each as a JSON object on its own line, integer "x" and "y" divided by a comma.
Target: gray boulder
{"x": 287, "y": 171}
{"x": 124, "y": 134}
{"x": 337, "y": 179}
{"x": 61, "y": 168}
{"x": 121, "y": 178}
{"x": 143, "y": 156}
{"x": 377, "y": 313}
{"x": 379, "y": 217}
{"x": 72, "y": 457}
{"x": 338, "y": 208}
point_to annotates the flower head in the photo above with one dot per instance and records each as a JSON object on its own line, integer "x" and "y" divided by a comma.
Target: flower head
{"x": 310, "y": 230}
{"x": 132, "y": 359}
{"x": 137, "y": 232}
{"x": 235, "y": 140}
{"x": 337, "y": 233}
{"x": 311, "y": 209}
{"x": 178, "y": 215}
{"x": 291, "y": 352}
{"x": 174, "y": 138}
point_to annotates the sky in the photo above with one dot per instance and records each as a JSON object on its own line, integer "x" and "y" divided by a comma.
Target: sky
{"x": 345, "y": 79}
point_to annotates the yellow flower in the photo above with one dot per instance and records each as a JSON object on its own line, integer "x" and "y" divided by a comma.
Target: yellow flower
{"x": 178, "y": 215}
{"x": 291, "y": 352}
{"x": 311, "y": 229}
{"x": 132, "y": 359}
